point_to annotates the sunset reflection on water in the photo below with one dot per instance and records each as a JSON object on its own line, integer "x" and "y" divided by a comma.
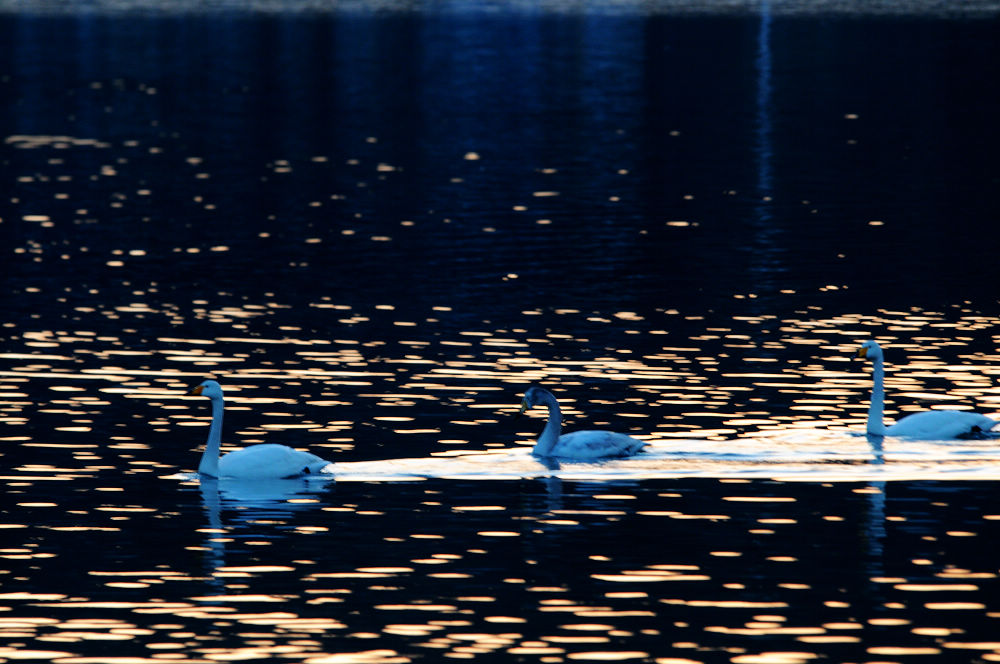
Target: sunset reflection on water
{"x": 377, "y": 228}
{"x": 390, "y": 563}
{"x": 458, "y": 389}
{"x": 710, "y": 570}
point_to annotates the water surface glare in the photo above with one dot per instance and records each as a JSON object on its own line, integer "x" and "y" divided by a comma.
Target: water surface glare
{"x": 377, "y": 224}
{"x": 697, "y": 569}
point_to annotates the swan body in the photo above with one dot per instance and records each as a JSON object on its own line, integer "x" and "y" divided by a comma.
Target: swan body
{"x": 928, "y": 425}
{"x": 257, "y": 462}
{"x": 581, "y": 445}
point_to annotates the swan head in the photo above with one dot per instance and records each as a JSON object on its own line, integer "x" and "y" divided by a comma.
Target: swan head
{"x": 209, "y": 388}
{"x": 535, "y": 396}
{"x": 869, "y": 350}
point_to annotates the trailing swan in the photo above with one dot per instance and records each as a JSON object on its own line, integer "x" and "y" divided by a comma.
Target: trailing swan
{"x": 928, "y": 425}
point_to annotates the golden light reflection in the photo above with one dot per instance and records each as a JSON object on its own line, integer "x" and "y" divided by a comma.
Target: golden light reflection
{"x": 783, "y": 657}
{"x": 719, "y": 379}
{"x": 381, "y": 656}
{"x": 670, "y": 375}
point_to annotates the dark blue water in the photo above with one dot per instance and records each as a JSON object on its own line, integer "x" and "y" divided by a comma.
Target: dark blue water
{"x": 643, "y": 119}
{"x": 377, "y": 228}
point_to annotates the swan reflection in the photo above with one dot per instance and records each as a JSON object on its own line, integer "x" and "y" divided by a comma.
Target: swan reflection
{"x": 246, "y": 504}
{"x": 878, "y": 452}
{"x": 271, "y": 495}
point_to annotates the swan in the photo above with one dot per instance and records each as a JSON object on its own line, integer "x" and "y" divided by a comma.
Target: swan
{"x": 578, "y": 444}
{"x": 257, "y": 462}
{"x": 928, "y": 425}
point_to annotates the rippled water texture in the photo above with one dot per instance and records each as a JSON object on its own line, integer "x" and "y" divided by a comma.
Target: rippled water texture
{"x": 377, "y": 225}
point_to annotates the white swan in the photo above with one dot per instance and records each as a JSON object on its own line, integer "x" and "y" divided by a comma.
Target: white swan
{"x": 576, "y": 445}
{"x": 928, "y": 425}
{"x": 267, "y": 461}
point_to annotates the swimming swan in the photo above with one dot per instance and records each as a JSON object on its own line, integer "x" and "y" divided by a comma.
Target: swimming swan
{"x": 576, "y": 445}
{"x": 267, "y": 461}
{"x": 928, "y": 425}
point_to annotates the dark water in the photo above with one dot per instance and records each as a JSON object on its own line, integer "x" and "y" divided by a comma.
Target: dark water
{"x": 377, "y": 227}
{"x": 683, "y": 571}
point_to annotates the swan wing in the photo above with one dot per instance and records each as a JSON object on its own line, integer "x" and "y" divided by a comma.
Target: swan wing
{"x": 269, "y": 461}
{"x": 595, "y": 445}
{"x": 940, "y": 425}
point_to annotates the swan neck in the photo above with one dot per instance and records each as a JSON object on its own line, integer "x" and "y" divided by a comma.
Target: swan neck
{"x": 210, "y": 458}
{"x": 876, "y": 426}
{"x": 550, "y": 434}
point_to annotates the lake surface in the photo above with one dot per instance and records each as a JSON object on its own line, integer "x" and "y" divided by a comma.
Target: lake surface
{"x": 377, "y": 225}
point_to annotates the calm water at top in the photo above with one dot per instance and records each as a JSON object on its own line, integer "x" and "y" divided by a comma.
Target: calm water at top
{"x": 377, "y": 227}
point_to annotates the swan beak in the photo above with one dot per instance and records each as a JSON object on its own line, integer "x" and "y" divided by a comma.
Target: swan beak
{"x": 861, "y": 353}
{"x": 524, "y": 407}
{"x": 196, "y": 392}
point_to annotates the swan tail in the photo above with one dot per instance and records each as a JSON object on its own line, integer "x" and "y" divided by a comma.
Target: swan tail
{"x": 320, "y": 467}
